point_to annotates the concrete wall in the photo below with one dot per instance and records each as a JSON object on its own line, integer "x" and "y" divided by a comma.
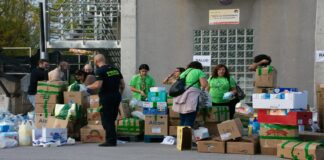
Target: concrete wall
{"x": 283, "y": 29}
{"x": 319, "y": 41}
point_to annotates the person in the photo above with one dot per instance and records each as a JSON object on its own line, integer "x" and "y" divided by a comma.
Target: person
{"x": 187, "y": 103}
{"x": 141, "y": 83}
{"x": 260, "y": 60}
{"x": 90, "y": 78}
{"x": 60, "y": 73}
{"x": 38, "y": 74}
{"x": 111, "y": 84}
{"x": 222, "y": 88}
{"x": 173, "y": 76}
{"x": 79, "y": 77}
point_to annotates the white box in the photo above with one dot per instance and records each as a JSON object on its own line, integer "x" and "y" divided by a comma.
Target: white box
{"x": 54, "y": 134}
{"x": 36, "y": 137}
{"x": 293, "y": 100}
{"x": 157, "y": 89}
{"x": 159, "y": 105}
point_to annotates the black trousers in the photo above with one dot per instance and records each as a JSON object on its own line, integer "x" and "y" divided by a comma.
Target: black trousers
{"x": 110, "y": 104}
{"x": 231, "y": 107}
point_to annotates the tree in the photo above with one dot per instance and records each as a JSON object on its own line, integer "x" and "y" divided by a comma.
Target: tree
{"x": 19, "y": 21}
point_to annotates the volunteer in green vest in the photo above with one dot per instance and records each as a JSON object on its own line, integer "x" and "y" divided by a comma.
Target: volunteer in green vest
{"x": 222, "y": 88}
{"x": 141, "y": 83}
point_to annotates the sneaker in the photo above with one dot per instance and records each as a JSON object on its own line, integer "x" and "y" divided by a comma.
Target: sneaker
{"x": 107, "y": 145}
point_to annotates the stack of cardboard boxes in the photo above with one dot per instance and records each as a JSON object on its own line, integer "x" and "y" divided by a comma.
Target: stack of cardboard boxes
{"x": 230, "y": 141}
{"x": 281, "y": 116}
{"x": 174, "y": 118}
{"x": 265, "y": 79}
{"x": 320, "y": 105}
{"x": 93, "y": 132}
{"x": 156, "y": 113}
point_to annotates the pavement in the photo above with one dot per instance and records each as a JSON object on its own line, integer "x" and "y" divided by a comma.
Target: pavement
{"x": 128, "y": 151}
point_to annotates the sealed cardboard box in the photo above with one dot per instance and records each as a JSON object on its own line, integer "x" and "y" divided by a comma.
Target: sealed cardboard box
{"x": 40, "y": 120}
{"x": 293, "y": 100}
{"x": 263, "y": 90}
{"x": 44, "y": 108}
{"x": 79, "y": 98}
{"x": 265, "y": 77}
{"x": 276, "y": 131}
{"x": 311, "y": 136}
{"x": 124, "y": 110}
{"x": 213, "y": 114}
{"x": 157, "y": 96}
{"x": 230, "y": 129}
{"x": 53, "y": 87}
{"x": 93, "y": 114}
{"x": 184, "y": 138}
{"x": 244, "y": 146}
{"x": 211, "y": 146}
{"x": 292, "y": 118}
{"x": 93, "y": 134}
{"x": 94, "y": 101}
{"x": 300, "y": 150}
{"x": 46, "y": 98}
{"x": 173, "y": 130}
{"x": 173, "y": 114}
{"x": 130, "y": 126}
{"x": 54, "y": 134}
{"x": 156, "y": 125}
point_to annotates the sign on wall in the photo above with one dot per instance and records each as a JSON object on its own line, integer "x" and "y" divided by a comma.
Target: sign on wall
{"x": 319, "y": 56}
{"x": 204, "y": 60}
{"x": 224, "y": 16}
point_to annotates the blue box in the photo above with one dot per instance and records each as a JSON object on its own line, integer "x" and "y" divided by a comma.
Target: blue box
{"x": 279, "y": 90}
{"x": 157, "y": 96}
{"x": 154, "y": 111}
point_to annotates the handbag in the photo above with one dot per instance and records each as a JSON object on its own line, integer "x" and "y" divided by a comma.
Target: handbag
{"x": 179, "y": 87}
{"x": 239, "y": 92}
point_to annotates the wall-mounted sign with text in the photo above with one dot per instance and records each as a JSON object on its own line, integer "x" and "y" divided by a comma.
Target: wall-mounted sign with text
{"x": 224, "y": 16}
{"x": 204, "y": 60}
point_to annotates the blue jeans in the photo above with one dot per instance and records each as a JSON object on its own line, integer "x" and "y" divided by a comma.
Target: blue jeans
{"x": 188, "y": 119}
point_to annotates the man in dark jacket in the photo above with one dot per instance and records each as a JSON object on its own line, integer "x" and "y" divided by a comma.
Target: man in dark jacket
{"x": 38, "y": 74}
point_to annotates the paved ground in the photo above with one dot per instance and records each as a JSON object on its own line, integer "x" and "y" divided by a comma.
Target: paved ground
{"x": 128, "y": 151}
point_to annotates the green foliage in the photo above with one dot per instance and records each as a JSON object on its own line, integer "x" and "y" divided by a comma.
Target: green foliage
{"x": 19, "y": 24}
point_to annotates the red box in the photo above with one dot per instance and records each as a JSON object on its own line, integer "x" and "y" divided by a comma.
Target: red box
{"x": 293, "y": 118}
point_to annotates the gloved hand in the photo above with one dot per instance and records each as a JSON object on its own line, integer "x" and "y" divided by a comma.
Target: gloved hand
{"x": 228, "y": 96}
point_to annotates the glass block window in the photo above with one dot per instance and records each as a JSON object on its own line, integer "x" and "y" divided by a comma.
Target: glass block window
{"x": 231, "y": 47}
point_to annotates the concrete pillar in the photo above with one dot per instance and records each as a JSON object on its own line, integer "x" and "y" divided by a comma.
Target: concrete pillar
{"x": 319, "y": 43}
{"x": 128, "y": 42}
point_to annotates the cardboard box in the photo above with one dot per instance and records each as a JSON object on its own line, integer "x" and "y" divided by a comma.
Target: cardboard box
{"x": 293, "y": 100}
{"x": 36, "y": 137}
{"x": 156, "y": 125}
{"x": 276, "y": 131}
{"x": 212, "y": 129}
{"x": 94, "y": 101}
{"x": 40, "y": 120}
{"x": 265, "y": 77}
{"x": 40, "y": 108}
{"x": 49, "y": 98}
{"x": 174, "y": 122}
{"x": 300, "y": 150}
{"x": 124, "y": 110}
{"x": 184, "y": 138}
{"x": 173, "y": 130}
{"x": 213, "y": 114}
{"x": 268, "y": 151}
{"x": 53, "y": 122}
{"x": 245, "y": 146}
{"x": 130, "y": 126}
{"x": 95, "y": 123}
{"x": 93, "y": 114}
{"x": 211, "y": 146}
{"x": 311, "y": 136}
{"x": 230, "y": 129}
{"x": 54, "y": 134}
{"x": 263, "y": 90}
{"x": 54, "y": 87}
{"x": 293, "y": 118}
{"x": 79, "y": 98}
{"x": 157, "y": 96}
{"x": 93, "y": 134}
{"x": 173, "y": 114}
{"x": 245, "y": 119}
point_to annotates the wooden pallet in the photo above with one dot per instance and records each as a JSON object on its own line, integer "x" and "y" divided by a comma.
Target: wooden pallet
{"x": 153, "y": 138}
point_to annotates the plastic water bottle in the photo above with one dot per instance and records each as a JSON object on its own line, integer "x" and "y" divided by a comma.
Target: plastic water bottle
{"x": 255, "y": 126}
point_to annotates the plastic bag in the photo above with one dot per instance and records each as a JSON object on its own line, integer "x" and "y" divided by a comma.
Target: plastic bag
{"x": 169, "y": 140}
{"x": 138, "y": 114}
{"x": 201, "y": 133}
{"x": 25, "y": 133}
{"x": 8, "y": 142}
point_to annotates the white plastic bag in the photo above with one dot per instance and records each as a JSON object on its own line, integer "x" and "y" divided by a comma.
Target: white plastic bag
{"x": 138, "y": 114}
{"x": 169, "y": 140}
{"x": 25, "y": 133}
{"x": 7, "y": 142}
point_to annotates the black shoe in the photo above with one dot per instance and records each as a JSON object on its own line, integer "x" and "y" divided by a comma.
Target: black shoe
{"x": 107, "y": 145}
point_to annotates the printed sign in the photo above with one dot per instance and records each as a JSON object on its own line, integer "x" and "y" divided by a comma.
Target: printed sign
{"x": 204, "y": 60}
{"x": 319, "y": 56}
{"x": 224, "y": 16}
